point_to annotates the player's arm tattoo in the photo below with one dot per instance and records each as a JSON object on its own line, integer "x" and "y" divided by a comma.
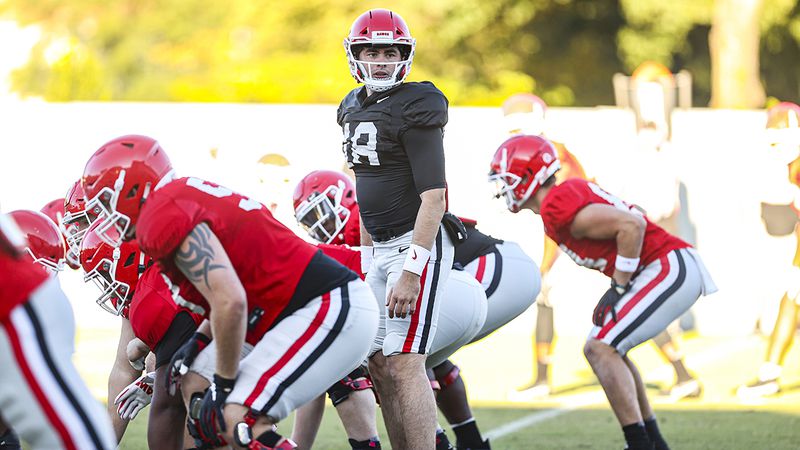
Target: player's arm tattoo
{"x": 195, "y": 256}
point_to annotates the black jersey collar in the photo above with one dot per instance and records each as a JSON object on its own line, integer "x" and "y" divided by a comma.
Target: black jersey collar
{"x": 366, "y": 101}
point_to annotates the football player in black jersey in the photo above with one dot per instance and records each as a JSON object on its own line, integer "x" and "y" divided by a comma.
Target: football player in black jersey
{"x": 393, "y": 142}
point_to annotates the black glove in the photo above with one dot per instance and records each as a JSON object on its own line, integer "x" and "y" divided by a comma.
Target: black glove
{"x": 212, "y": 420}
{"x": 608, "y": 301}
{"x": 183, "y": 358}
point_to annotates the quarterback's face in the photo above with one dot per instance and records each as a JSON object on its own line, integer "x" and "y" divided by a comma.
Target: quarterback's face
{"x": 381, "y": 61}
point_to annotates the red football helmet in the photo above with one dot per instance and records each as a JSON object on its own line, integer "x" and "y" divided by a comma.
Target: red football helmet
{"x": 76, "y": 221}
{"x": 323, "y": 200}
{"x": 520, "y": 166}
{"x": 653, "y": 72}
{"x": 54, "y": 210}
{"x": 385, "y": 28}
{"x": 12, "y": 241}
{"x": 114, "y": 270}
{"x": 119, "y": 177}
{"x": 45, "y": 244}
{"x": 524, "y": 114}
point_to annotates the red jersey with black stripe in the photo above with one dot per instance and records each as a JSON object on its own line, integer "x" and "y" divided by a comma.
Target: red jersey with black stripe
{"x": 154, "y": 306}
{"x": 352, "y": 228}
{"x": 565, "y": 200}
{"x": 345, "y": 255}
{"x": 268, "y": 258}
{"x": 19, "y": 277}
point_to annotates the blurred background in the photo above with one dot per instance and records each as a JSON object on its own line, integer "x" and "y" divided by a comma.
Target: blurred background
{"x": 662, "y": 103}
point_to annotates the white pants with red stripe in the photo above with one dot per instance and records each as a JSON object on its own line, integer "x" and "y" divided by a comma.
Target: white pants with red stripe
{"x": 42, "y": 397}
{"x": 306, "y": 352}
{"x": 511, "y": 280}
{"x": 461, "y": 316}
{"x": 660, "y": 293}
{"x": 413, "y": 333}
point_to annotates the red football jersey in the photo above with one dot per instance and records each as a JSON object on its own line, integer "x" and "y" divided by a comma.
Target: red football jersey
{"x": 345, "y": 255}
{"x": 352, "y": 229}
{"x": 18, "y": 278}
{"x": 565, "y": 200}
{"x": 153, "y": 307}
{"x": 268, "y": 258}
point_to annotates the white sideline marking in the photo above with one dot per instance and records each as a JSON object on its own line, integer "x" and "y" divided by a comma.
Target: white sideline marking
{"x": 710, "y": 355}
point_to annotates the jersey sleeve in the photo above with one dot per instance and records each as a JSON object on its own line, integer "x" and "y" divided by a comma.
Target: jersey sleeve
{"x": 562, "y": 204}
{"x": 428, "y": 109}
{"x": 425, "y": 150}
{"x": 163, "y": 227}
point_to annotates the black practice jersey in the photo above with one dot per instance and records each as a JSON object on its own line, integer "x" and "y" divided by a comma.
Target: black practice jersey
{"x": 476, "y": 245}
{"x": 393, "y": 142}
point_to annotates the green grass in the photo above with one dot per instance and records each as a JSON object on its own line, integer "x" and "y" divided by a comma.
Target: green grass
{"x": 685, "y": 429}
{"x": 716, "y": 421}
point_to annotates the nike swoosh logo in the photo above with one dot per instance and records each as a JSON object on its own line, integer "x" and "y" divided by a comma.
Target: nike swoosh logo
{"x": 381, "y": 99}
{"x": 413, "y": 254}
{"x": 402, "y": 249}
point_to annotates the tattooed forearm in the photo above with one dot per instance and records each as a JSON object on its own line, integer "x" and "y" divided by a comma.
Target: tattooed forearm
{"x": 195, "y": 257}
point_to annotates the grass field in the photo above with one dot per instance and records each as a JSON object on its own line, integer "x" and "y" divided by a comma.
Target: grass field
{"x": 577, "y": 416}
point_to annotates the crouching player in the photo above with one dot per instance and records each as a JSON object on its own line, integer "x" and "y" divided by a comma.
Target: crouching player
{"x": 655, "y": 277}
{"x": 310, "y": 319}
{"x": 152, "y": 321}
{"x": 42, "y": 397}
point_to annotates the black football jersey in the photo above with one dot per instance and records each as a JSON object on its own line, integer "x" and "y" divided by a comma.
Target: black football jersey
{"x": 373, "y": 130}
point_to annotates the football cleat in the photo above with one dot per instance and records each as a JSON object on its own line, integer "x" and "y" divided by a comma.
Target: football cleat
{"x": 484, "y": 446}
{"x": 686, "y": 389}
{"x": 442, "y": 442}
{"x": 758, "y": 388}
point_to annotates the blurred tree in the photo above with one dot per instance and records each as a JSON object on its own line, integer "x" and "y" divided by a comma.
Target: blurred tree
{"x": 780, "y": 49}
{"x": 734, "y": 41}
{"x": 477, "y": 51}
{"x": 678, "y": 34}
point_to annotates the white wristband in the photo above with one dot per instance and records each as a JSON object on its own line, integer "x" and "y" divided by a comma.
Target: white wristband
{"x": 366, "y": 258}
{"x": 624, "y": 264}
{"x": 416, "y": 259}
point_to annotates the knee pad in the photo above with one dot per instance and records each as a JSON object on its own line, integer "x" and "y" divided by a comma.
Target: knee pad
{"x": 449, "y": 378}
{"x": 357, "y": 380}
{"x": 435, "y": 386}
{"x": 201, "y": 440}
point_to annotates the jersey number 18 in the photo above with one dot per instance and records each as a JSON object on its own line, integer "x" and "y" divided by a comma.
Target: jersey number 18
{"x": 362, "y": 142}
